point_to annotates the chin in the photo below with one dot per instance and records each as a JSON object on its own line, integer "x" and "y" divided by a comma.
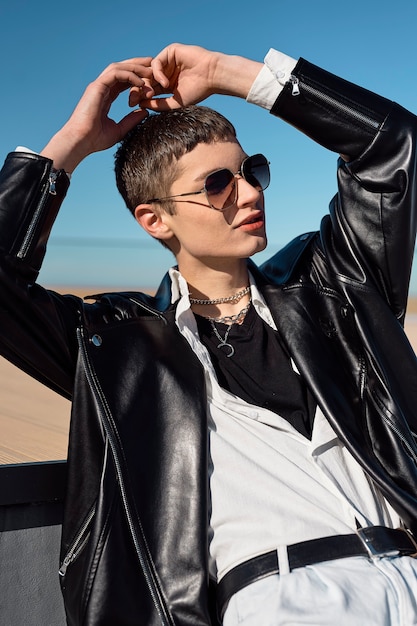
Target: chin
{"x": 260, "y": 245}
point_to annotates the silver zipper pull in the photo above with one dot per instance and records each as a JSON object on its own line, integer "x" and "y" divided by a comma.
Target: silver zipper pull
{"x": 295, "y": 85}
{"x": 52, "y": 180}
{"x": 64, "y": 566}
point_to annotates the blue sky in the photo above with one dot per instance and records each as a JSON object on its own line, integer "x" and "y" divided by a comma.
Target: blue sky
{"x": 49, "y": 54}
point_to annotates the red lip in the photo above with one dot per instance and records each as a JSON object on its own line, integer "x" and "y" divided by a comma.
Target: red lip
{"x": 254, "y": 221}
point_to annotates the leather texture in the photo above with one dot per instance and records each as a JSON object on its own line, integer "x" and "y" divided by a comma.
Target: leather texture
{"x": 134, "y": 544}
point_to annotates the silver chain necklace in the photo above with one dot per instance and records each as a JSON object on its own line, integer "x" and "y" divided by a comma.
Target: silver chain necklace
{"x": 235, "y": 298}
{"x": 231, "y": 319}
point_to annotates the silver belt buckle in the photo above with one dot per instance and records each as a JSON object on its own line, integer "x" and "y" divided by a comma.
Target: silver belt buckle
{"x": 373, "y": 552}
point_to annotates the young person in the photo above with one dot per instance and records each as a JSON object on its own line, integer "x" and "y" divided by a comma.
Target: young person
{"x": 247, "y": 426}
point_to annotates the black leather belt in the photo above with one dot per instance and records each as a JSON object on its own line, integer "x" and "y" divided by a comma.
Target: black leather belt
{"x": 375, "y": 541}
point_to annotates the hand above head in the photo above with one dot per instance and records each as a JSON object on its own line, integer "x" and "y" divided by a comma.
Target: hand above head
{"x": 191, "y": 74}
{"x": 90, "y": 129}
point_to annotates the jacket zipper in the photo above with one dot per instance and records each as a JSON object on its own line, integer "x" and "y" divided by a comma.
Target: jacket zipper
{"x": 78, "y": 543}
{"x": 400, "y": 434}
{"x": 138, "y": 540}
{"x": 361, "y": 117}
{"x": 48, "y": 190}
{"x": 403, "y": 439}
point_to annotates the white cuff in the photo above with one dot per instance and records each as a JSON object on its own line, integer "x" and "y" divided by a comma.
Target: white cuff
{"x": 23, "y": 149}
{"x": 270, "y": 81}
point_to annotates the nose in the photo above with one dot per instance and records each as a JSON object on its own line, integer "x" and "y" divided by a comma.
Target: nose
{"x": 246, "y": 193}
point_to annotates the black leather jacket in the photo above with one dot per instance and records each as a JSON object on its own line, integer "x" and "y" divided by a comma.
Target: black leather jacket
{"x": 134, "y": 546}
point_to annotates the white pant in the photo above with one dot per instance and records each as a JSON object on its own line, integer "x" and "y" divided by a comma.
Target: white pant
{"x": 348, "y": 592}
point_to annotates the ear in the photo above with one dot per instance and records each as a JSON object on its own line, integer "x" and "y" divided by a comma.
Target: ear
{"x": 153, "y": 221}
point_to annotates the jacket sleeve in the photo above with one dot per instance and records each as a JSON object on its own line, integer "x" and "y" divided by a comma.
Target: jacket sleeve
{"x": 370, "y": 234}
{"x": 37, "y": 327}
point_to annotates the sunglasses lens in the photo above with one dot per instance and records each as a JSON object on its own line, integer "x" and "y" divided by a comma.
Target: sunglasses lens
{"x": 220, "y": 186}
{"x": 255, "y": 170}
{"x": 220, "y": 189}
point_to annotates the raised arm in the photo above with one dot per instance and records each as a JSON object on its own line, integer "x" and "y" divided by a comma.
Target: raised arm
{"x": 37, "y": 329}
{"x": 90, "y": 129}
{"x": 369, "y": 236}
{"x": 191, "y": 74}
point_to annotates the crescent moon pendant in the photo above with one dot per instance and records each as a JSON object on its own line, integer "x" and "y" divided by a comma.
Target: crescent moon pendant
{"x": 227, "y": 345}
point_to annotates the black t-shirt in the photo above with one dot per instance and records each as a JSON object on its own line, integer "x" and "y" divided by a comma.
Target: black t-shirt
{"x": 260, "y": 370}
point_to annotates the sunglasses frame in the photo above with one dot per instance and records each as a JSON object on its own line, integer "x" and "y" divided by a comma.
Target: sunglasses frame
{"x": 240, "y": 172}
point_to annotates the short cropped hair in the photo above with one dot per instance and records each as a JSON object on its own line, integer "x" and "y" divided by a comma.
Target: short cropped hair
{"x": 146, "y": 160}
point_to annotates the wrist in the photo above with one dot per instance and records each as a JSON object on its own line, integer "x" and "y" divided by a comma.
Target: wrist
{"x": 65, "y": 151}
{"x": 234, "y": 75}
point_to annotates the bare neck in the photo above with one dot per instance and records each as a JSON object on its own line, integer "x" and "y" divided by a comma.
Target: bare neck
{"x": 208, "y": 283}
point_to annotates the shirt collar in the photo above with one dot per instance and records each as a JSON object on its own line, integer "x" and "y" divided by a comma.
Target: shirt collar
{"x": 181, "y": 295}
{"x": 184, "y": 317}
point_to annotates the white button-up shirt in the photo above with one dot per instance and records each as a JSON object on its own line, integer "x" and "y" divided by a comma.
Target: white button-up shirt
{"x": 270, "y": 486}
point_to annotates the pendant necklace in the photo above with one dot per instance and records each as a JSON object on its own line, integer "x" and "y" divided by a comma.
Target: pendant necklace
{"x": 227, "y": 319}
{"x": 223, "y": 340}
{"x": 230, "y": 319}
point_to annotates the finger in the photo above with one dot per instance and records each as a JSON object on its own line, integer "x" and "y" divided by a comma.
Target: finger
{"x": 123, "y": 80}
{"x": 137, "y": 94}
{"x": 164, "y": 65}
{"x": 158, "y": 72}
{"x": 135, "y": 64}
{"x": 162, "y": 104}
{"x": 126, "y": 72}
{"x": 131, "y": 120}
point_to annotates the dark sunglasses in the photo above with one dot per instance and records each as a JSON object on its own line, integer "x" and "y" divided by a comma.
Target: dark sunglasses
{"x": 220, "y": 186}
